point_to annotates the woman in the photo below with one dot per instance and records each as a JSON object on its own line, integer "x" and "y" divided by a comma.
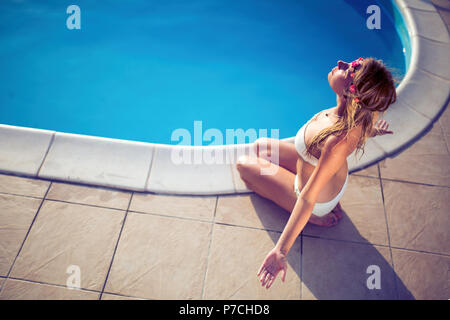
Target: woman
{"x": 313, "y": 172}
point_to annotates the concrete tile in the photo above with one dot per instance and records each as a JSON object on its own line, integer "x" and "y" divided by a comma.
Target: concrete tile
{"x": 96, "y": 196}
{"x": 371, "y": 171}
{"x": 364, "y": 220}
{"x": 69, "y": 234}
{"x": 16, "y": 215}
{"x": 195, "y": 207}
{"x": 160, "y": 258}
{"x": 23, "y": 186}
{"x": 24, "y": 290}
{"x": 251, "y": 211}
{"x": 426, "y": 161}
{"x": 418, "y": 4}
{"x": 13, "y": 142}
{"x": 235, "y": 257}
{"x": 341, "y": 270}
{"x": 425, "y": 275}
{"x": 418, "y": 216}
{"x": 424, "y": 93}
{"x": 429, "y": 24}
{"x": 204, "y": 171}
{"x": 400, "y": 116}
{"x": 98, "y": 161}
{"x": 372, "y": 153}
{"x": 432, "y": 56}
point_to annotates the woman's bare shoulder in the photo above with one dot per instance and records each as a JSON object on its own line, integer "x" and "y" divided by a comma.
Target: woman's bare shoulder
{"x": 350, "y": 139}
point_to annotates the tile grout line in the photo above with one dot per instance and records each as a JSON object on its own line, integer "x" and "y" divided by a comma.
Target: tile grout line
{"x": 20, "y": 195}
{"x": 418, "y": 9}
{"x": 362, "y": 175}
{"x": 367, "y": 243}
{"x": 376, "y": 245}
{"x": 387, "y": 230}
{"x": 429, "y": 39}
{"x": 422, "y": 251}
{"x": 413, "y": 182}
{"x": 73, "y": 183}
{"x": 401, "y": 181}
{"x": 232, "y": 178}
{"x": 122, "y": 295}
{"x": 65, "y": 287}
{"x": 432, "y": 75}
{"x": 170, "y": 216}
{"x": 116, "y": 246}
{"x": 209, "y": 249}
{"x": 26, "y": 236}
{"x": 155, "y": 150}
{"x": 444, "y": 135}
{"x": 52, "y": 139}
{"x": 230, "y": 163}
{"x": 52, "y": 284}
{"x": 447, "y": 143}
{"x": 85, "y": 204}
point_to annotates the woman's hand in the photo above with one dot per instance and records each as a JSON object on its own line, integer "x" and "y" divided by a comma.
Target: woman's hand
{"x": 274, "y": 262}
{"x": 380, "y": 128}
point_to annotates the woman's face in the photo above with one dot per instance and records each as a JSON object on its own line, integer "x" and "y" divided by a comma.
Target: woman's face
{"x": 339, "y": 77}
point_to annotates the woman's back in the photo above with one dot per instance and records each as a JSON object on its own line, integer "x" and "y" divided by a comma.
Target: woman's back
{"x": 306, "y": 163}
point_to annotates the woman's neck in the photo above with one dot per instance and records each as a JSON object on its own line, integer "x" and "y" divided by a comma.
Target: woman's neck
{"x": 340, "y": 106}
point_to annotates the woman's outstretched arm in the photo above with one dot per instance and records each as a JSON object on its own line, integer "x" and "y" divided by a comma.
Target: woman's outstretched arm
{"x": 332, "y": 158}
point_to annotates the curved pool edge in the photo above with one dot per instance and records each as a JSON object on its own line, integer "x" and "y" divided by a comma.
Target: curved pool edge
{"x": 149, "y": 167}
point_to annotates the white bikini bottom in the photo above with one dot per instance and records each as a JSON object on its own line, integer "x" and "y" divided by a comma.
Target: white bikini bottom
{"x": 322, "y": 208}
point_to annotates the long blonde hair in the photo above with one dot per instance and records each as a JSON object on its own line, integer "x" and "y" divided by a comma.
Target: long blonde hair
{"x": 374, "y": 92}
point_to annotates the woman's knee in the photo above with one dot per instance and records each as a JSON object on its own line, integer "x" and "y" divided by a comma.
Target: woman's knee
{"x": 243, "y": 163}
{"x": 263, "y": 145}
{"x": 262, "y": 140}
{"x": 247, "y": 165}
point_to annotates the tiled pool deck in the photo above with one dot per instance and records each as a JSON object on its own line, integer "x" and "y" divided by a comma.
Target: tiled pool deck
{"x": 131, "y": 244}
{"x": 143, "y": 245}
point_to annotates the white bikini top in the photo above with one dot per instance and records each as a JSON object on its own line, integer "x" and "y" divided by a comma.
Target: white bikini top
{"x": 300, "y": 144}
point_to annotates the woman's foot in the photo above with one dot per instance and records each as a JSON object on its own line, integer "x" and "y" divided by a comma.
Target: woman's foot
{"x": 330, "y": 219}
{"x": 338, "y": 211}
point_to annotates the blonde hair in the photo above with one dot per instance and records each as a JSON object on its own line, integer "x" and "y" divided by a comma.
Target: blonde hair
{"x": 374, "y": 90}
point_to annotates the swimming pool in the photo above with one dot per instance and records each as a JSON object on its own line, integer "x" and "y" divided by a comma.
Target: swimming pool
{"x": 140, "y": 70}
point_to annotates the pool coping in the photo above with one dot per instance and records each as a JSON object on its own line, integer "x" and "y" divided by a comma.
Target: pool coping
{"x": 150, "y": 167}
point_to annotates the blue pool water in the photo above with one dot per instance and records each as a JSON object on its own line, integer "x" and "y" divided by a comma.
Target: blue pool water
{"x": 139, "y": 69}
